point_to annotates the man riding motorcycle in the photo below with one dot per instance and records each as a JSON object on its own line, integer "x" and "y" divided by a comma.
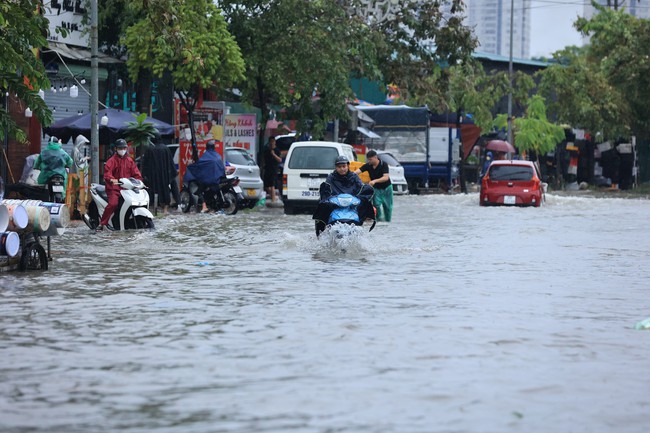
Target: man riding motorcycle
{"x": 343, "y": 181}
{"x": 209, "y": 170}
{"x": 52, "y": 161}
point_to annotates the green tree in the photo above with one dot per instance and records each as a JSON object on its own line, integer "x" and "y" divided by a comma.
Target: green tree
{"x": 299, "y": 51}
{"x": 22, "y": 74}
{"x": 190, "y": 40}
{"x": 534, "y": 132}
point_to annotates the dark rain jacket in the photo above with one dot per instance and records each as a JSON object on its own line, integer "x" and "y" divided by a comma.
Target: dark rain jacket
{"x": 208, "y": 170}
{"x": 158, "y": 171}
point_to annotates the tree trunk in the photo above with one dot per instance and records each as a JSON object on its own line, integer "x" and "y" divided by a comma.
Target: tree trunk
{"x": 144, "y": 91}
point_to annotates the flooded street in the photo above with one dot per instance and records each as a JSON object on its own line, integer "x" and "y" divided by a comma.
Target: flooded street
{"x": 452, "y": 318}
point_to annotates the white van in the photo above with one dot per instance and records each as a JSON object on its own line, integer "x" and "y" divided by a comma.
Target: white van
{"x": 307, "y": 165}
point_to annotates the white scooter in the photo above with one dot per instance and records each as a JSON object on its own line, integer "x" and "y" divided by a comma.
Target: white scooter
{"x": 132, "y": 209}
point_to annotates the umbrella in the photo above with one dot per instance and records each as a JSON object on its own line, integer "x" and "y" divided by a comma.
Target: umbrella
{"x": 118, "y": 122}
{"x": 500, "y": 146}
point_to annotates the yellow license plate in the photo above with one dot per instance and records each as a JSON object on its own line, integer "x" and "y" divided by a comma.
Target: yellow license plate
{"x": 251, "y": 192}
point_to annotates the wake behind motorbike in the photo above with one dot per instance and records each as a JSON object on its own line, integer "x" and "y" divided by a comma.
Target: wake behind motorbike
{"x": 132, "y": 211}
{"x": 226, "y": 196}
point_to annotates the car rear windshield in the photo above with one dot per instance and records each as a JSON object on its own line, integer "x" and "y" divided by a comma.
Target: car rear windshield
{"x": 511, "y": 172}
{"x": 388, "y": 159}
{"x": 239, "y": 157}
{"x": 313, "y": 158}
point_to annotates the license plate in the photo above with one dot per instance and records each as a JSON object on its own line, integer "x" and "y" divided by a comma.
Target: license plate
{"x": 57, "y": 188}
{"x": 509, "y": 199}
{"x": 251, "y": 192}
{"x": 237, "y": 189}
{"x": 314, "y": 182}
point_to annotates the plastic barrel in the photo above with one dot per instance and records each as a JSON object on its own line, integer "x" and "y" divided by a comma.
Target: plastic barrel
{"x": 4, "y": 218}
{"x": 39, "y": 218}
{"x": 9, "y": 244}
{"x": 59, "y": 218}
{"x": 18, "y": 218}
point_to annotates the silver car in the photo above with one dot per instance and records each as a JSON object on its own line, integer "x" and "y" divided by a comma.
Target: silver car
{"x": 396, "y": 172}
{"x": 248, "y": 173}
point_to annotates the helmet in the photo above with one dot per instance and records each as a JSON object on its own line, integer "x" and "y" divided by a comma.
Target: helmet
{"x": 53, "y": 139}
{"x": 209, "y": 145}
{"x": 120, "y": 143}
{"x": 341, "y": 160}
{"x": 489, "y": 154}
{"x": 81, "y": 140}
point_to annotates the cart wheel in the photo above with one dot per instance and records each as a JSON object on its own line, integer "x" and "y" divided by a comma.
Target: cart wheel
{"x": 34, "y": 258}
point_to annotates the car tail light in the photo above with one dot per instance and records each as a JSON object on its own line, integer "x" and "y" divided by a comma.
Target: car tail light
{"x": 235, "y": 181}
{"x": 284, "y": 181}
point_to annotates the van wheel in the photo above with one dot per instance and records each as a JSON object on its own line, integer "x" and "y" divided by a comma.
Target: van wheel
{"x": 289, "y": 210}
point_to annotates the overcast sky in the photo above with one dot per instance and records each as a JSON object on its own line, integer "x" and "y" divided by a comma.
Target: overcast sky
{"x": 552, "y": 25}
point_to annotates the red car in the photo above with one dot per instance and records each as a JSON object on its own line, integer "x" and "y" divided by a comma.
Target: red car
{"x": 512, "y": 183}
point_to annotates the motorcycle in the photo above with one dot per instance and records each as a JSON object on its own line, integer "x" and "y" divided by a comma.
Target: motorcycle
{"x": 56, "y": 188}
{"x": 339, "y": 212}
{"x": 132, "y": 210}
{"x": 227, "y": 196}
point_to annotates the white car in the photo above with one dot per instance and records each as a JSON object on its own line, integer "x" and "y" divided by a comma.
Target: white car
{"x": 395, "y": 171}
{"x": 248, "y": 173}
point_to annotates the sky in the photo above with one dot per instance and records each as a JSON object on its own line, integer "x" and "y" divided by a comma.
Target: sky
{"x": 552, "y": 25}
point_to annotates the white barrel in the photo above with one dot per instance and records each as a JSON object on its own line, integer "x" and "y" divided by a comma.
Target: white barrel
{"x": 59, "y": 214}
{"x": 39, "y": 218}
{"x": 18, "y": 218}
{"x": 4, "y": 218}
{"x": 9, "y": 244}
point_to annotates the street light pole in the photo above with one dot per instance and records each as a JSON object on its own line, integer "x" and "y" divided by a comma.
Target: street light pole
{"x": 94, "y": 94}
{"x": 512, "y": 5}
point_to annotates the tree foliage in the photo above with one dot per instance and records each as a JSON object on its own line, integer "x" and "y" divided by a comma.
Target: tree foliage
{"x": 188, "y": 38}
{"x": 22, "y": 29}
{"x": 534, "y": 131}
{"x": 298, "y": 51}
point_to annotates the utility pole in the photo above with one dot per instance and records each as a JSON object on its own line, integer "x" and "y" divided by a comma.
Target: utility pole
{"x": 512, "y": 6}
{"x": 94, "y": 94}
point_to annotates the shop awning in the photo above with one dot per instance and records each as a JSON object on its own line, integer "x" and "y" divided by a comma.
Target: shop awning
{"x": 81, "y": 54}
{"x": 367, "y": 132}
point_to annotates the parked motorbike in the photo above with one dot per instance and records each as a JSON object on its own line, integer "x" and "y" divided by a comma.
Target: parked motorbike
{"x": 132, "y": 210}
{"x": 227, "y": 196}
{"x": 339, "y": 212}
{"x": 56, "y": 187}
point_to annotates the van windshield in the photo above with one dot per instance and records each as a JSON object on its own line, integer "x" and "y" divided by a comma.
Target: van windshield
{"x": 313, "y": 157}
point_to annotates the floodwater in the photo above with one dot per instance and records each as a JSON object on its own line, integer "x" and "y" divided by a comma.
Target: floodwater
{"x": 452, "y": 318}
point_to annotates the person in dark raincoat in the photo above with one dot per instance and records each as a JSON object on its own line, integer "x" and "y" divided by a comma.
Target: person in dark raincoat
{"x": 208, "y": 171}
{"x": 159, "y": 172}
{"x": 343, "y": 181}
{"x": 116, "y": 167}
{"x": 53, "y": 160}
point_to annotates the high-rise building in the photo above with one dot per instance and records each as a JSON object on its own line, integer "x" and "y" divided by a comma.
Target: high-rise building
{"x": 490, "y": 21}
{"x": 638, "y": 8}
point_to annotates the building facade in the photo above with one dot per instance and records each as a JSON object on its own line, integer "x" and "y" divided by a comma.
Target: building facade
{"x": 490, "y": 21}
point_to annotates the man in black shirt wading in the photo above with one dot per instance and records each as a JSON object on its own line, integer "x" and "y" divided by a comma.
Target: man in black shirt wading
{"x": 380, "y": 181}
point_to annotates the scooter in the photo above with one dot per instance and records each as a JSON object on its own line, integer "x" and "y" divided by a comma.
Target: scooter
{"x": 227, "y": 197}
{"x": 132, "y": 209}
{"x": 339, "y": 212}
{"x": 56, "y": 187}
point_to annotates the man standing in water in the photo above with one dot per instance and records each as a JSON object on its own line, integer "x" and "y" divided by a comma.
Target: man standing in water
{"x": 380, "y": 181}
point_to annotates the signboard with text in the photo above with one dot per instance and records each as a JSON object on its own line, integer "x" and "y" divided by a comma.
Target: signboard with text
{"x": 67, "y": 14}
{"x": 241, "y": 131}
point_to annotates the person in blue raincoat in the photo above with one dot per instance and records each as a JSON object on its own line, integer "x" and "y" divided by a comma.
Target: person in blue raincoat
{"x": 486, "y": 163}
{"x": 209, "y": 170}
{"x": 53, "y": 160}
